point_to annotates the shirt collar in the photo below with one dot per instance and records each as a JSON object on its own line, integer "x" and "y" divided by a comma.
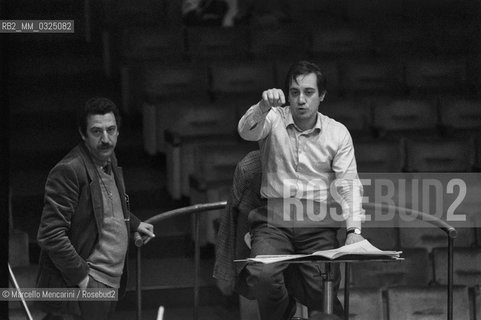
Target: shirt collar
{"x": 290, "y": 121}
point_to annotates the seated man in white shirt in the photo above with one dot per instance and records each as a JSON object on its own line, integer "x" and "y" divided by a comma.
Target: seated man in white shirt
{"x": 308, "y": 164}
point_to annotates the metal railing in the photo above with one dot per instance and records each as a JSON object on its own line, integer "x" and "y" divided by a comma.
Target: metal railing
{"x": 197, "y": 210}
{"x": 13, "y": 280}
{"x": 200, "y": 208}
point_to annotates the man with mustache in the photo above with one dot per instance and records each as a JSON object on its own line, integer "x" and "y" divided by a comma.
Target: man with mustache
{"x": 308, "y": 165}
{"x": 86, "y": 221}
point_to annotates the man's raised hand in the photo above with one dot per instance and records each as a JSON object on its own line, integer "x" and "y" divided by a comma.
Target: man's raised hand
{"x": 272, "y": 98}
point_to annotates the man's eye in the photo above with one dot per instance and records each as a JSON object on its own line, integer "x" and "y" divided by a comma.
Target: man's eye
{"x": 294, "y": 93}
{"x": 111, "y": 130}
{"x": 96, "y": 132}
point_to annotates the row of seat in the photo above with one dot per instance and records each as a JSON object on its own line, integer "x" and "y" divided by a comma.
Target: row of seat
{"x": 147, "y": 71}
{"x": 412, "y": 302}
{"x": 414, "y": 288}
{"x": 128, "y": 12}
{"x": 294, "y": 40}
{"x": 399, "y": 125}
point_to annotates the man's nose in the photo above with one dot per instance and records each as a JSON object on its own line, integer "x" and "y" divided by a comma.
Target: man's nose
{"x": 302, "y": 98}
{"x": 105, "y": 136}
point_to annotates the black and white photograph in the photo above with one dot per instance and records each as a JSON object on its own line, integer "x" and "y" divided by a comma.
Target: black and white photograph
{"x": 240, "y": 159}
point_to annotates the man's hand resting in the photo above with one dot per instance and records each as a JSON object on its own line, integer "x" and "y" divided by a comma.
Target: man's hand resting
{"x": 146, "y": 231}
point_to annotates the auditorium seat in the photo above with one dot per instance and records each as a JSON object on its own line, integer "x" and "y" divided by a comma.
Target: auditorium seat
{"x": 439, "y": 155}
{"x": 371, "y": 75}
{"x": 373, "y": 12}
{"x": 214, "y": 168}
{"x": 379, "y": 155}
{"x": 205, "y": 44}
{"x": 340, "y": 41}
{"x": 460, "y": 116}
{"x": 364, "y": 303}
{"x": 429, "y": 302}
{"x": 279, "y": 42}
{"x": 124, "y": 14}
{"x": 448, "y": 11}
{"x": 197, "y": 124}
{"x": 436, "y": 75}
{"x": 139, "y": 47}
{"x": 212, "y": 178}
{"x": 313, "y": 12}
{"x": 404, "y": 117}
{"x": 402, "y": 39}
{"x": 353, "y": 113}
{"x": 420, "y": 234}
{"x": 415, "y": 269}
{"x": 243, "y": 78}
{"x": 169, "y": 90}
{"x": 467, "y": 266}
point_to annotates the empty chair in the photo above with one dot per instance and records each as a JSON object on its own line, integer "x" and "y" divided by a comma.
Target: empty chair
{"x": 402, "y": 39}
{"x": 353, "y": 113}
{"x": 420, "y": 234}
{"x": 214, "y": 166}
{"x": 279, "y": 42}
{"x": 335, "y": 41}
{"x": 124, "y": 14}
{"x": 364, "y": 303}
{"x": 379, "y": 156}
{"x": 453, "y": 38}
{"x": 309, "y": 12}
{"x": 212, "y": 178}
{"x": 212, "y": 43}
{"x": 373, "y": 12}
{"x": 467, "y": 266}
{"x": 440, "y": 9}
{"x": 460, "y": 116}
{"x": 438, "y": 155}
{"x": 164, "y": 88}
{"x": 415, "y": 269}
{"x": 426, "y": 303}
{"x": 195, "y": 124}
{"x": 139, "y": 47}
{"x": 240, "y": 79}
{"x": 406, "y": 117}
{"x": 362, "y": 76}
{"x": 436, "y": 75}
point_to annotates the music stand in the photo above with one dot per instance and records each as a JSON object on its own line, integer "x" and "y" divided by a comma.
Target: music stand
{"x": 328, "y": 299}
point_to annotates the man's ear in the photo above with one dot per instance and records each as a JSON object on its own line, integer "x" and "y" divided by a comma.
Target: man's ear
{"x": 81, "y": 134}
{"x": 323, "y": 95}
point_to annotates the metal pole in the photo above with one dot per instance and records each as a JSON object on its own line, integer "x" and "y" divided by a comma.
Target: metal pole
{"x": 450, "y": 278}
{"x": 139, "y": 284}
{"x": 196, "y": 266}
{"x": 328, "y": 300}
{"x": 22, "y": 299}
{"x": 347, "y": 274}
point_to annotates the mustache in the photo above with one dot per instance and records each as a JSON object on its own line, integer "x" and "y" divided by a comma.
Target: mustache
{"x": 105, "y": 146}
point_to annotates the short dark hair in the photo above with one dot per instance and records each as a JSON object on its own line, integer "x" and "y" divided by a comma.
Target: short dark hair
{"x": 96, "y": 105}
{"x": 302, "y": 68}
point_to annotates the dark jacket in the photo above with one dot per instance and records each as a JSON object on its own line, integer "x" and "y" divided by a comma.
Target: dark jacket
{"x": 72, "y": 220}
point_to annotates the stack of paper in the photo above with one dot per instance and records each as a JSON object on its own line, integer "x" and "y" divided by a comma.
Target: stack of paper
{"x": 357, "y": 251}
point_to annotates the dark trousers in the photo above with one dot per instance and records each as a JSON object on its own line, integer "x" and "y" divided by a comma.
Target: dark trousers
{"x": 89, "y": 310}
{"x": 275, "y": 284}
